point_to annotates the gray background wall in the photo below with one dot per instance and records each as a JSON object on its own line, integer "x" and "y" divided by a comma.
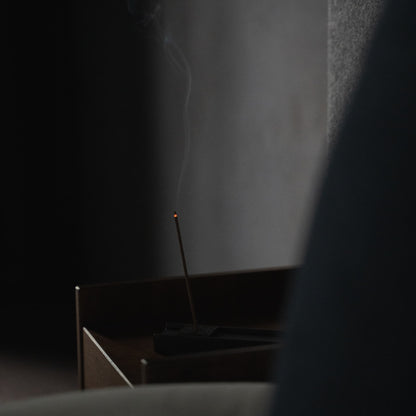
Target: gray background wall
{"x": 257, "y": 116}
{"x": 351, "y": 24}
{"x": 93, "y": 200}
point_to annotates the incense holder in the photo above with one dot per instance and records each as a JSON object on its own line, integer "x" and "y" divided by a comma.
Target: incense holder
{"x": 179, "y": 338}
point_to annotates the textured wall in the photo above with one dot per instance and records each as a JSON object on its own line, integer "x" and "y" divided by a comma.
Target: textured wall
{"x": 257, "y": 113}
{"x": 350, "y": 28}
{"x": 101, "y": 185}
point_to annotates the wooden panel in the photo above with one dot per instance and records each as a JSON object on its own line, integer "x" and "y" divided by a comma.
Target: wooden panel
{"x": 99, "y": 369}
{"x": 245, "y": 364}
{"x": 236, "y": 297}
{"x": 80, "y": 341}
{"x": 125, "y": 353}
{"x": 136, "y": 360}
{"x": 129, "y": 313}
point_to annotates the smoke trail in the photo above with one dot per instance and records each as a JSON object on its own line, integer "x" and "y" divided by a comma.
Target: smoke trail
{"x": 178, "y": 59}
{"x": 146, "y": 17}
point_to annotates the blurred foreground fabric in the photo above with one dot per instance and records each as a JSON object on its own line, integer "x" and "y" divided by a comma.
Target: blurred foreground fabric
{"x": 350, "y": 347}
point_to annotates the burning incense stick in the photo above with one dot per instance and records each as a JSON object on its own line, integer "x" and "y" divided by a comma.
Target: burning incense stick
{"x": 185, "y": 270}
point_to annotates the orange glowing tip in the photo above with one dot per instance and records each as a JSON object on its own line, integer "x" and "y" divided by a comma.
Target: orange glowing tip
{"x": 175, "y": 215}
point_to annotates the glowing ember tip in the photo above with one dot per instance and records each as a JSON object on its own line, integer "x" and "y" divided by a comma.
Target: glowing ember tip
{"x": 175, "y": 215}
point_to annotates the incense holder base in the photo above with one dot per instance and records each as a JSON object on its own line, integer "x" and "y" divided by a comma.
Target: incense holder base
{"x": 179, "y": 338}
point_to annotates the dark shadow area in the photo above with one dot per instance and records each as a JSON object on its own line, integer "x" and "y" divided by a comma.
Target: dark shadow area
{"x": 77, "y": 183}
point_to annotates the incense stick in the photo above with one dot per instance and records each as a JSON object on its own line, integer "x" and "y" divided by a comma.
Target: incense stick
{"x": 185, "y": 270}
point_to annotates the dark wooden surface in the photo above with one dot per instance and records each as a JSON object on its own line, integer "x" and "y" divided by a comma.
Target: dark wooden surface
{"x": 122, "y": 317}
{"x": 100, "y": 369}
{"x": 240, "y": 364}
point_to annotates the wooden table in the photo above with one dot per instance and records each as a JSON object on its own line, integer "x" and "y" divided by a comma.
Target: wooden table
{"x": 115, "y": 323}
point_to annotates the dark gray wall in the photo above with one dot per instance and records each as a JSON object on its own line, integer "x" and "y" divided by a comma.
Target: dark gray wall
{"x": 79, "y": 98}
{"x": 257, "y": 113}
{"x": 77, "y": 138}
{"x": 351, "y": 24}
{"x": 97, "y": 142}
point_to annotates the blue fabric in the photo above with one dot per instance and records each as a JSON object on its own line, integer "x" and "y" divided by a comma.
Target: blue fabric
{"x": 350, "y": 347}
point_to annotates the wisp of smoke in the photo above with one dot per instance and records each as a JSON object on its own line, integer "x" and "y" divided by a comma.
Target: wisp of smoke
{"x": 178, "y": 61}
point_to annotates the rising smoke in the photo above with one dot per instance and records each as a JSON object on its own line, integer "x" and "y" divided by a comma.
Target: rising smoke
{"x": 148, "y": 15}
